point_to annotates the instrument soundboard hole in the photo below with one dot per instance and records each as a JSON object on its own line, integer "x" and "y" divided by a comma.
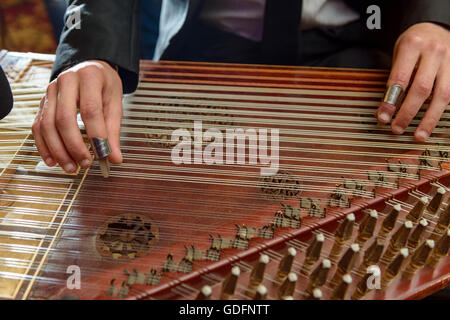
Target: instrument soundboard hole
{"x": 125, "y": 237}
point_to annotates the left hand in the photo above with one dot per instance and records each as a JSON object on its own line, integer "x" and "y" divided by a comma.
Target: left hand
{"x": 427, "y": 46}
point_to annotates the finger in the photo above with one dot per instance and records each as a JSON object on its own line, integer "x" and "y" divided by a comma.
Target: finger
{"x": 404, "y": 62}
{"x": 113, "y": 118}
{"x": 50, "y": 133}
{"x": 419, "y": 91}
{"x": 440, "y": 100}
{"x": 66, "y": 119}
{"x": 91, "y": 103}
{"x": 39, "y": 141}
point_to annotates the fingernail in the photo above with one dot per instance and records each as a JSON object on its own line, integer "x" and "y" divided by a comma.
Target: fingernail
{"x": 384, "y": 117}
{"x": 49, "y": 161}
{"x": 69, "y": 167}
{"x": 85, "y": 163}
{"x": 397, "y": 129}
{"x": 422, "y": 135}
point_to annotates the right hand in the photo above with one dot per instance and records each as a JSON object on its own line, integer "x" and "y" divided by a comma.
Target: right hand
{"x": 96, "y": 89}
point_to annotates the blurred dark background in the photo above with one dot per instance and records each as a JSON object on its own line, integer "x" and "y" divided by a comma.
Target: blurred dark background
{"x": 25, "y": 25}
{"x": 35, "y": 25}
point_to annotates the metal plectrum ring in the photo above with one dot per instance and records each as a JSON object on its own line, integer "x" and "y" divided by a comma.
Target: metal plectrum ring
{"x": 393, "y": 95}
{"x": 101, "y": 147}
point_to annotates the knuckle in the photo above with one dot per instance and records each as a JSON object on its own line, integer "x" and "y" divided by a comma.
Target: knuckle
{"x": 443, "y": 93}
{"x": 90, "y": 71}
{"x": 64, "y": 77}
{"x": 413, "y": 39}
{"x": 437, "y": 48}
{"x": 89, "y": 110}
{"x": 45, "y": 126}
{"x": 63, "y": 119}
{"x": 51, "y": 86}
{"x": 423, "y": 87}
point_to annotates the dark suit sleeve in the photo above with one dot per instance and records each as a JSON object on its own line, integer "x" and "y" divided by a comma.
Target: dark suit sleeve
{"x": 399, "y": 15}
{"x": 417, "y": 11}
{"x": 110, "y": 31}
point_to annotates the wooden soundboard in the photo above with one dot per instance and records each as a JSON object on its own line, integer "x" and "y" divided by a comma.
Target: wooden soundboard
{"x": 160, "y": 230}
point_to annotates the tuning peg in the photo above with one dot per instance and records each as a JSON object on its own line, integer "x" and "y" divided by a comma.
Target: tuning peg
{"x": 440, "y": 251}
{"x": 442, "y": 224}
{"x": 345, "y": 229}
{"x": 416, "y": 235}
{"x": 418, "y": 259}
{"x": 286, "y": 264}
{"x": 372, "y": 254}
{"x": 313, "y": 253}
{"x": 205, "y": 293}
{"x": 342, "y": 235}
{"x": 316, "y": 294}
{"x": 257, "y": 274}
{"x": 436, "y": 202}
{"x": 319, "y": 275}
{"x": 287, "y": 288}
{"x": 394, "y": 268}
{"x": 367, "y": 227}
{"x": 341, "y": 290}
{"x": 361, "y": 287}
{"x": 390, "y": 220}
{"x": 398, "y": 240}
{"x": 346, "y": 264}
{"x": 261, "y": 293}
{"x": 229, "y": 285}
{"x": 417, "y": 211}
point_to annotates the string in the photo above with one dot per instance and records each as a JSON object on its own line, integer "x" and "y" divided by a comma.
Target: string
{"x": 135, "y": 152}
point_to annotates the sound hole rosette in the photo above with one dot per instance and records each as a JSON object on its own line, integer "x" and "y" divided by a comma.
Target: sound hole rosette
{"x": 125, "y": 237}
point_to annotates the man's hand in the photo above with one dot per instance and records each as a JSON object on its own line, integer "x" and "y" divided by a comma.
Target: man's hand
{"x": 96, "y": 89}
{"x": 427, "y": 46}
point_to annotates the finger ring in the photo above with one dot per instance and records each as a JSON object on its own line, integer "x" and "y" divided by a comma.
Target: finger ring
{"x": 101, "y": 147}
{"x": 393, "y": 94}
